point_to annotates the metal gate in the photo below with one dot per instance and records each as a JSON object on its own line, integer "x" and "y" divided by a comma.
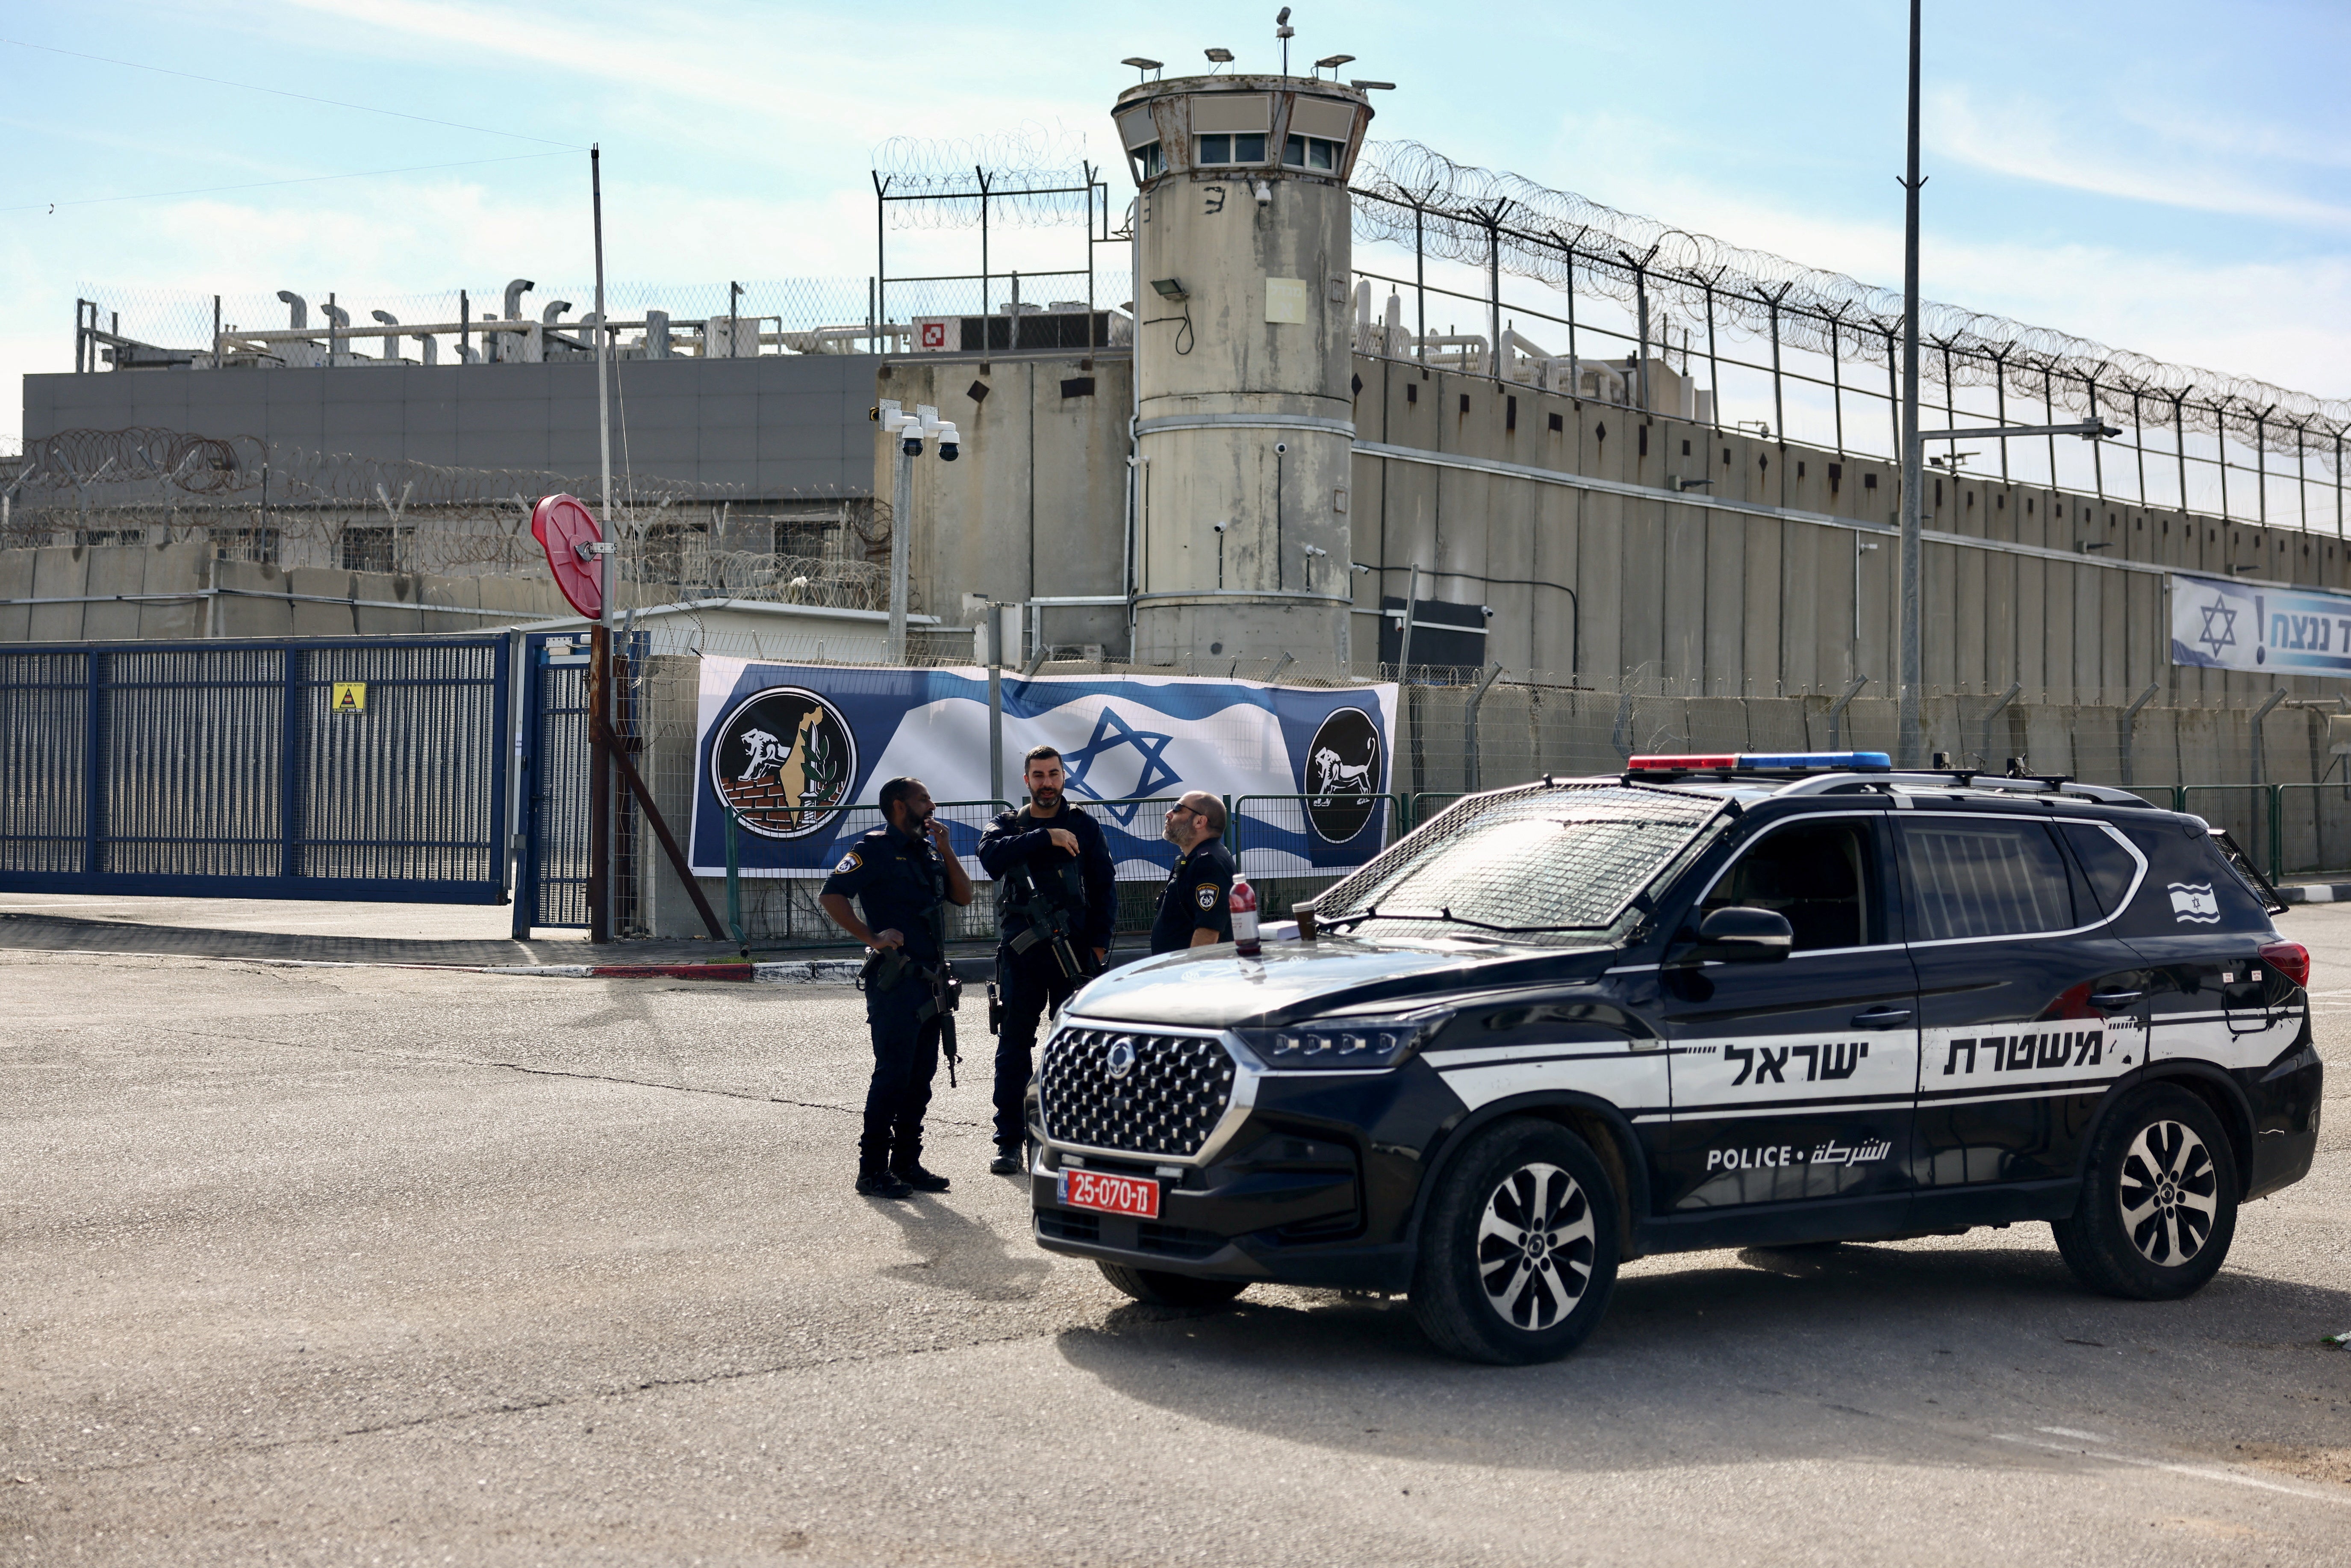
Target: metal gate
{"x": 366, "y": 768}
{"x": 551, "y": 876}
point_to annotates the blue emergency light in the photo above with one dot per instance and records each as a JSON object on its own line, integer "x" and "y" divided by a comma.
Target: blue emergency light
{"x": 1766, "y": 763}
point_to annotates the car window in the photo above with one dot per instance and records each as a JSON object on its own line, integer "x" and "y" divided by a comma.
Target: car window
{"x": 1984, "y": 879}
{"x": 1821, "y": 875}
{"x": 2110, "y": 867}
{"x": 2191, "y": 884}
{"x": 1541, "y": 860}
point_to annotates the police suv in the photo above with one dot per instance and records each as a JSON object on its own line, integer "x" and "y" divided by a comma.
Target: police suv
{"x": 1714, "y": 1001}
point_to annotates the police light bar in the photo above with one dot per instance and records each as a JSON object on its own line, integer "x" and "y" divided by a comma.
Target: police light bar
{"x": 1765, "y": 761}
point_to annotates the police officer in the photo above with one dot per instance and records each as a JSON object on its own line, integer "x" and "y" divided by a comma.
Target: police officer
{"x": 1196, "y": 910}
{"x": 904, "y": 875}
{"x": 1068, "y": 866}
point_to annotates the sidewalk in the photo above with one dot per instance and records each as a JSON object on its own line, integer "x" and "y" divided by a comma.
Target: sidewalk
{"x": 433, "y": 936}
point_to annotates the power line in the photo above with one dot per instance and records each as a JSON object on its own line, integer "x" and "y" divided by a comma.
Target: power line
{"x": 265, "y": 185}
{"x": 281, "y": 92}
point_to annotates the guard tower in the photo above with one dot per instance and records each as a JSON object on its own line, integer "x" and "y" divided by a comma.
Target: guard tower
{"x": 1242, "y": 364}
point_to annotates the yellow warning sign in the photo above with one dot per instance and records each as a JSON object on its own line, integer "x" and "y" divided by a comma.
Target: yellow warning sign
{"x": 350, "y": 696}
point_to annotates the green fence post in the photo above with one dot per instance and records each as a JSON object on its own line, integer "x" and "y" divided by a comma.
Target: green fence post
{"x": 2277, "y": 832}
{"x": 734, "y": 883}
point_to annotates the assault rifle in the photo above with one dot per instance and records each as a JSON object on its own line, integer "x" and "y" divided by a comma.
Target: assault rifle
{"x": 1040, "y": 921}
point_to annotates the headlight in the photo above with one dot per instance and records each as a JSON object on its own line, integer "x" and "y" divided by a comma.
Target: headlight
{"x": 1357, "y": 1043}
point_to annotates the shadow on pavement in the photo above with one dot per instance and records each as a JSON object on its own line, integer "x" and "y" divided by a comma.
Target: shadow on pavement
{"x": 1900, "y": 1353}
{"x": 956, "y": 1253}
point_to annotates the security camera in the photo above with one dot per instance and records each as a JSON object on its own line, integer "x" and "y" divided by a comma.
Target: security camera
{"x": 1218, "y": 526}
{"x": 1279, "y": 447}
{"x": 1263, "y": 190}
{"x": 912, "y": 446}
{"x": 950, "y": 439}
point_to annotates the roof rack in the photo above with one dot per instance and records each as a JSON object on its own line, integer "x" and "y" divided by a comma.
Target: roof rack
{"x": 1964, "y": 779}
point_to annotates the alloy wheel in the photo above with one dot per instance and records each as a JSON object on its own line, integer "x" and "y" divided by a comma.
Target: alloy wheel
{"x": 1535, "y": 1245}
{"x": 2168, "y": 1192}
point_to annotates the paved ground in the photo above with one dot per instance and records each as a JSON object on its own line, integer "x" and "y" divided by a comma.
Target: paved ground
{"x": 356, "y": 1266}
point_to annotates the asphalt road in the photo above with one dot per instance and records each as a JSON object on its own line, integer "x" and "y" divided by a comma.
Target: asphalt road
{"x": 360, "y": 1266}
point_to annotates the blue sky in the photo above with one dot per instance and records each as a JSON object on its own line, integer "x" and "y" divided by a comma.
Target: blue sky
{"x": 2169, "y": 178}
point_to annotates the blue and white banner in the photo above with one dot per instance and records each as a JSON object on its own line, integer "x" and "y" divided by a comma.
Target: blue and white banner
{"x": 799, "y": 750}
{"x": 2241, "y": 626}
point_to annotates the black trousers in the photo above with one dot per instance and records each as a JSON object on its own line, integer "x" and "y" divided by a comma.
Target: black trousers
{"x": 905, "y": 1059}
{"x": 1026, "y": 987}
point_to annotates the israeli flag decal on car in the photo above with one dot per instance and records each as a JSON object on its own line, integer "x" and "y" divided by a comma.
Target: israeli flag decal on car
{"x": 2193, "y": 903}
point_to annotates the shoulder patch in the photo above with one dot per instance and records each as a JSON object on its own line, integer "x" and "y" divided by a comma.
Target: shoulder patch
{"x": 849, "y": 862}
{"x": 1206, "y": 894}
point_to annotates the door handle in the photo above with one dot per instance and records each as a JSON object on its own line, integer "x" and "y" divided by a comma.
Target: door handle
{"x": 1881, "y": 1018}
{"x": 2110, "y": 1000}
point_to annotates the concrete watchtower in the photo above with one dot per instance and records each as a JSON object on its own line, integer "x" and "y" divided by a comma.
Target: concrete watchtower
{"x": 1242, "y": 364}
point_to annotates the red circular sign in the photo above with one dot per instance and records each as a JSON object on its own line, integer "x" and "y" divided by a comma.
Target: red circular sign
{"x": 561, "y": 524}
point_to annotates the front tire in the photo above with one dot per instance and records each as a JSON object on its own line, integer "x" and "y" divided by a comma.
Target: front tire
{"x": 1156, "y": 1288}
{"x": 2159, "y": 1202}
{"x": 1519, "y": 1248}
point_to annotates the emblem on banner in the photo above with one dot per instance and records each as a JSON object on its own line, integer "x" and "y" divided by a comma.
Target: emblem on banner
{"x": 785, "y": 760}
{"x": 1342, "y": 775}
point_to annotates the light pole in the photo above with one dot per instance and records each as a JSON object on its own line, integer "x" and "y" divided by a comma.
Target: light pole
{"x": 1910, "y": 740}
{"x": 909, "y": 431}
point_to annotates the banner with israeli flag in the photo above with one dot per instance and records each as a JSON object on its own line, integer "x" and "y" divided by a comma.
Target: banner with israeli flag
{"x": 797, "y": 752}
{"x": 2246, "y": 626}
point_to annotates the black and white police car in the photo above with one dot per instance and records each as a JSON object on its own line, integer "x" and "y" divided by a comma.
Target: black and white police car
{"x": 1714, "y": 1001}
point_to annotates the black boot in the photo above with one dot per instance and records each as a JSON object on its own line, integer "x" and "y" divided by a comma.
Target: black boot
{"x": 913, "y": 1174}
{"x": 906, "y": 1165}
{"x": 876, "y": 1180}
{"x": 1007, "y": 1161}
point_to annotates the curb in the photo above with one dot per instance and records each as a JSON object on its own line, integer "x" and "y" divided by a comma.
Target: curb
{"x": 2317, "y": 892}
{"x": 796, "y": 972}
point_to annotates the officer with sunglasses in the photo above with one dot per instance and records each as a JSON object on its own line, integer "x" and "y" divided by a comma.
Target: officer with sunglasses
{"x": 1196, "y": 909}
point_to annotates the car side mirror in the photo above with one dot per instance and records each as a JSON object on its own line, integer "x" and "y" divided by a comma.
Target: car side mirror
{"x": 1742, "y": 935}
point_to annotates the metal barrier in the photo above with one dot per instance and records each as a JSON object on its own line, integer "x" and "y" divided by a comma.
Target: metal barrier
{"x": 2248, "y": 811}
{"x": 1429, "y": 802}
{"x": 965, "y": 821}
{"x": 1305, "y": 827}
{"x": 551, "y": 871}
{"x": 2305, "y": 836}
{"x": 1134, "y": 826}
{"x": 363, "y": 769}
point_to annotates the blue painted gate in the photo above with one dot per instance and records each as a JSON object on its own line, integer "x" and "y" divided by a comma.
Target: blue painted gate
{"x": 373, "y": 769}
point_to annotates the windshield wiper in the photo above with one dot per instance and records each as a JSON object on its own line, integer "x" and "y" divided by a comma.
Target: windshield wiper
{"x": 1440, "y": 917}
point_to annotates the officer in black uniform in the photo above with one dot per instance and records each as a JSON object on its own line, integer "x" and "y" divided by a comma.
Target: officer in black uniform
{"x": 904, "y": 874}
{"x": 1068, "y": 863}
{"x": 1196, "y": 910}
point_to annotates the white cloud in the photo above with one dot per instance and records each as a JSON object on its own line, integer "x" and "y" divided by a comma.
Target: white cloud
{"x": 2017, "y": 139}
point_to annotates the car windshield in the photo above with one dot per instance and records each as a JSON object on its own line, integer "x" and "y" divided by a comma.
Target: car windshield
{"x": 1547, "y": 860}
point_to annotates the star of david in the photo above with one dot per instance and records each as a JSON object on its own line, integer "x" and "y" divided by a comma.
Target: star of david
{"x": 1110, "y": 732}
{"x": 2228, "y": 637}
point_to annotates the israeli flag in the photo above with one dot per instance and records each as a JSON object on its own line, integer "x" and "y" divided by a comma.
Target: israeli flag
{"x": 796, "y": 753}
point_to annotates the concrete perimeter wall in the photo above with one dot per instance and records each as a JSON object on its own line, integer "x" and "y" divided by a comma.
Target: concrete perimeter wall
{"x": 1596, "y": 587}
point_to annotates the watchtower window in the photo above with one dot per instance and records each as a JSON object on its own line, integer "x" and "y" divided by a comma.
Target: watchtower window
{"x": 1151, "y": 160}
{"x": 1310, "y": 152}
{"x": 1247, "y": 148}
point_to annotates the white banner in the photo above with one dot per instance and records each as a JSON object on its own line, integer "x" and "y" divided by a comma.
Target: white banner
{"x": 2242, "y": 626}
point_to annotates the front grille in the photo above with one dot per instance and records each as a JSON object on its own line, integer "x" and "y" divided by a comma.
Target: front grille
{"x": 1167, "y": 1102}
{"x": 1068, "y": 1224}
{"x": 1175, "y": 1241}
